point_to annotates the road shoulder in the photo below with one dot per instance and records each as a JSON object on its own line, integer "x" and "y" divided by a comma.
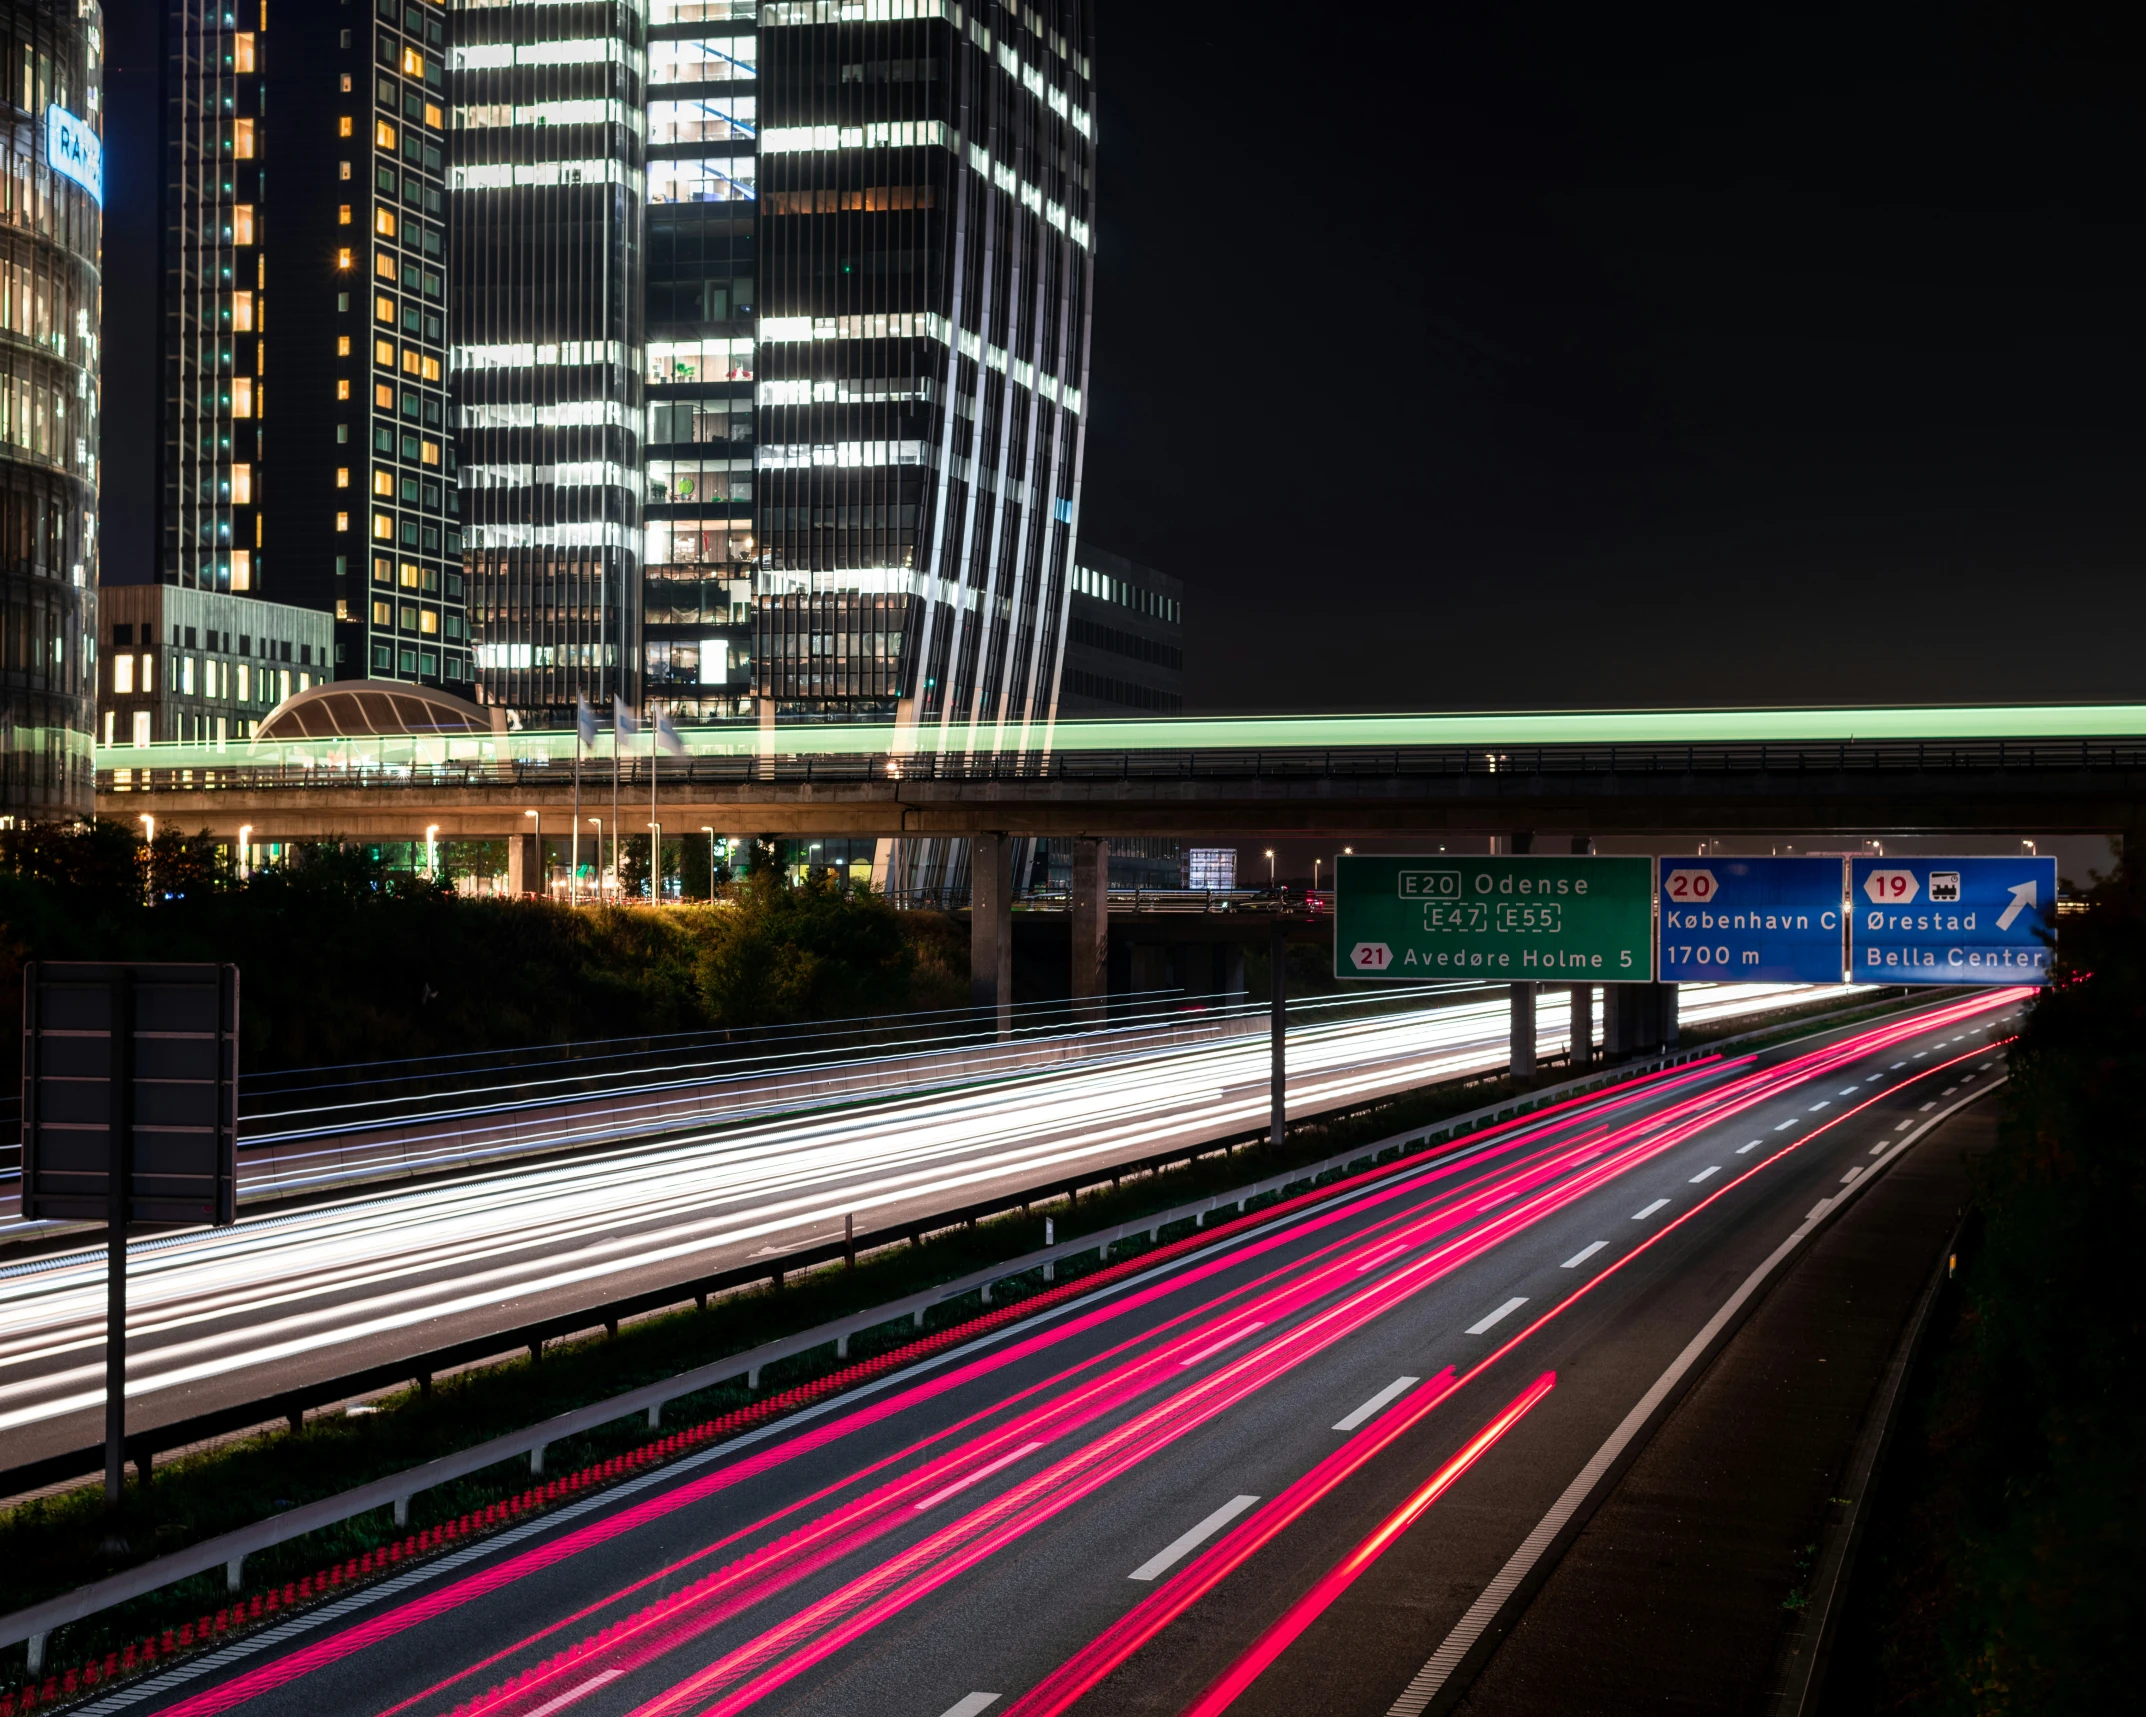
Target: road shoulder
{"x": 1686, "y": 1583}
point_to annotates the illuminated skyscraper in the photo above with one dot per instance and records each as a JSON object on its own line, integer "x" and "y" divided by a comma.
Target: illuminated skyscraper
{"x": 547, "y": 186}
{"x": 926, "y": 192}
{"x": 51, "y": 222}
{"x": 307, "y": 458}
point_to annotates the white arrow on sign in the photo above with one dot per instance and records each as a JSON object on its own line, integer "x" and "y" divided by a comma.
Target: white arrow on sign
{"x": 2022, "y": 899}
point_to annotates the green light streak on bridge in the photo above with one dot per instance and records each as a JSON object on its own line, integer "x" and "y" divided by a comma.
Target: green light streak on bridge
{"x": 1488, "y": 731}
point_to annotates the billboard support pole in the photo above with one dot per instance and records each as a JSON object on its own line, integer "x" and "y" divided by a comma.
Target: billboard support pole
{"x": 117, "y": 1184}
{"x": 1278, "y": 1031}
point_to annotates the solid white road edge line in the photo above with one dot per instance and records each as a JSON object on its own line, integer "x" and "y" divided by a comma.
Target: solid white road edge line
{"x": 1431, "y": 1678}
{"x": 1398, "y": 1387}
{"x": 1185, "y": 1544}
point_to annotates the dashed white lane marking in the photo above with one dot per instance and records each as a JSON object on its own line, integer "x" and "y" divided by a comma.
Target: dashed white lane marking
{"x": 1398, "y": 1387}
{"x": 1896, "y": 1067}
{"x": 977, "y": 1477}
{"x": 966, "y": 1706}
{"x": 1851, "y": 1174}
{"x": 1881, "y": 1147}
{"x": 1385, "y": 1257}
{"x": 1819, "y": 1209}
{"x": 1642, "y": 1215}
{"x": 589, "y": 1686}
{"x": 1845, "y": 1091}
{"x": 1873, "y": 1079}
{"x": 1703, "y": 1174}
{"x": 1784, "y": 1126}
{"x": 1927, "y": 1107}
{"x": 1583, "y": 1254}
{"x": 1905, "y": 1125}
{"x": 1175, "y": 1551}
{"x": 1510, "y": 1306}
{"x": 1236, "y": 1335}
{"x": 1822, "y": 1103}
{"x": 1752, "y": 1146}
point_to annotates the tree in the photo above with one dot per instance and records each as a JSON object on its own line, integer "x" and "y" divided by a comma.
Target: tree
{"x": 780, "y": 952}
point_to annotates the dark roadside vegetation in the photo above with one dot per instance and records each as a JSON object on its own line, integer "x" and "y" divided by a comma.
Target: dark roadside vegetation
{"x": 345, "y": 960}
{"x": 55, "y": 1543}
{"x": 2005, "y": 1561}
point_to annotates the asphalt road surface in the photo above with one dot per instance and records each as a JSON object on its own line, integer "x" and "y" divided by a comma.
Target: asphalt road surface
{"x": 297, "y": 1296}
{"x": 1273, "y": 1473}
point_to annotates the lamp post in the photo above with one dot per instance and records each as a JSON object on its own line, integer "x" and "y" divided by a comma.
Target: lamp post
{"x": 1315, "y": 875}
{"x": 544, "y": 880}
{"x": 432, "y": 850}
{"x": 244, "y": 830}
{"x": 655, "y": 855}
{"x": 1270, "y": 870}
{"x": 599, "y": 822}
{"x": 710, "y": 833}
{"x": 148, "y": 827}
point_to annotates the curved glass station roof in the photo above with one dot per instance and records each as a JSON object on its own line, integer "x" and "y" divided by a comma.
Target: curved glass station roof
{"x": 343, "y": 725}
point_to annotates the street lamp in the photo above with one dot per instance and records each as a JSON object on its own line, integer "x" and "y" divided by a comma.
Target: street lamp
{"x": 1270, "y": 869}
{"x": 1315, "y": 876}
{"x": 244, "y": 829}
{"x": 710, "y": 833}
{"x": 655, "y": 862}
{"x": 2031, "y": 848}
{"x": 432, "y": 850}
{"x": 148, "y": 827}
{"x": 542, "y": 886}
{"x": 599, "y": 822}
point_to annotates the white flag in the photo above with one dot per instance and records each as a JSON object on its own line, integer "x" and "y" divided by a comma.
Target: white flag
{"x": 622, "y": 719}
{"x": 584, "y": 719}
{"x": 667, "y": 735}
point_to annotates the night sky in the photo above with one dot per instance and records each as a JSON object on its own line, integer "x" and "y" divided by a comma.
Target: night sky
{"x": 1528, "y": 356}
{"x": 1465, "y": 357}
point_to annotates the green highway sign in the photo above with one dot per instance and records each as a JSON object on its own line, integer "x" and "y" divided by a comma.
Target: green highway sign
{"x": 1558, "y": 919}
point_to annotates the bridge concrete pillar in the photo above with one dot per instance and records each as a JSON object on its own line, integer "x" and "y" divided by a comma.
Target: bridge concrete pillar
{"x": 1522, "y": 1065}
{"x": 991, "y": 931}
{"x": 1091, "y": 928}
{"x": 1582, "y": 1048}
{"x": 525, "y": 865}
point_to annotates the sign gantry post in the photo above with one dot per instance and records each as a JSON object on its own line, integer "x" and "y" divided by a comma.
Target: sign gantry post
{"x": 129, "y": 1117}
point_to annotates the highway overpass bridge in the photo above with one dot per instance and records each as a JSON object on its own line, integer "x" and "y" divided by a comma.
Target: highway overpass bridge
{"x": 2030, "y": 770}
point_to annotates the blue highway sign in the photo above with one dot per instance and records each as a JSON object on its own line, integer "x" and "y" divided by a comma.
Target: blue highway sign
{"x": 1952, "y": 921}
{"x": 1752, "y": 920}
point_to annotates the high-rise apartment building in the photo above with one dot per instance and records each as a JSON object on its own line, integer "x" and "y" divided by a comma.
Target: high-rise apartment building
{"x": 307, "y": 458}
{"x": 547, "y": 185}
{"x": 51, "y": 206}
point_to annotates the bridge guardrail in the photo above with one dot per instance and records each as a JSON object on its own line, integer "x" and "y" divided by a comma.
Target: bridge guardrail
{"x": 1873, "y": 757}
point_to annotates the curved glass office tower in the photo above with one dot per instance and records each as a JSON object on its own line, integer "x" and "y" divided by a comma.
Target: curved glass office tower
{"x": 51, "y": 220}
{"x": 926, "y": 188}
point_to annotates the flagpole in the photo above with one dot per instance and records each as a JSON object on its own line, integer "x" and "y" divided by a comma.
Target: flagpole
{"x": 618, "y": 881}
{"x": 573, "y": 873}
